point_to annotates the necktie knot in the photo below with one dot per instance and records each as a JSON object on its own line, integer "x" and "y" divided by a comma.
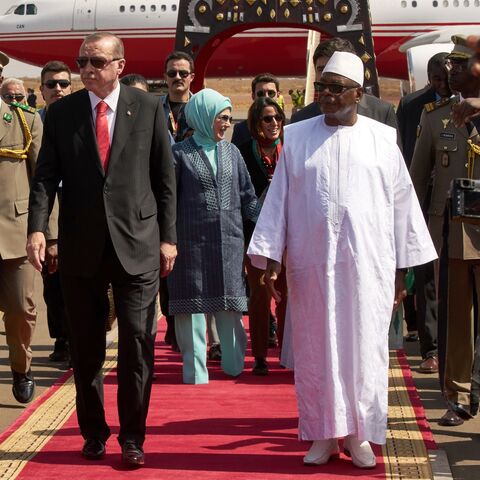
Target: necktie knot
{"x": 102, "y": 107}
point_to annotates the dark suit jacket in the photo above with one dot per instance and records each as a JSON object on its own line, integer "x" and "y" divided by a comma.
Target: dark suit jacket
{"x": 369, "y": 106}
{"x": 134, "y": 202}
{"x": 240, "y": 133}
{"x": 409, "y": 112}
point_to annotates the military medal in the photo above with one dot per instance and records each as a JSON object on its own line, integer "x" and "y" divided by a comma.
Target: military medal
{"x": 445, "y": 122}
{"x": 7, "y": 117}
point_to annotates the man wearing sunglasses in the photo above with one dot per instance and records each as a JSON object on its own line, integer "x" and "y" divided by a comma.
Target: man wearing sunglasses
{"x": 342, "y": 207}
{"x": 264, "y": 84}
{"x": 369, "y": 105}
{"x": 179, "y": 74}
{"x": 20, "y": 138}
{"x": 55, "y": 80}
{"x": 109, "y": 145}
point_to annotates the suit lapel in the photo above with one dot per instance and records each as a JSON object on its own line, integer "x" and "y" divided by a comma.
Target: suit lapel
{"x": 85, "y": 128}
{"x": 126, "y": 115}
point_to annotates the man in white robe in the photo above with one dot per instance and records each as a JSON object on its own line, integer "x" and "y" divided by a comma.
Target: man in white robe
{"x": 343, "y": 211}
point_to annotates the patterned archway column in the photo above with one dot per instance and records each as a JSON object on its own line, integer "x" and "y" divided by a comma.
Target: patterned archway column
{"x": 204, "y": 24}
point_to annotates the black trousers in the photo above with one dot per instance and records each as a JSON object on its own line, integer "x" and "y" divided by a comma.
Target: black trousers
{"x": 427, "y": 321}
{"x": 52, "y": 294}
{"x": 86, "y": 303}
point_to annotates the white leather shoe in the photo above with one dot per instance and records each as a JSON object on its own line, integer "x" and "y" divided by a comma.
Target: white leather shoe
{"x": 361, "y": 452}
{"x": 321, "y": 451}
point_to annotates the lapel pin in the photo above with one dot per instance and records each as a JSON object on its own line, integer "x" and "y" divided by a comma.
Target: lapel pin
{"x": 445, "y": 122}
{"x": 129, "y": 113}
{"x": 7, "y": 117}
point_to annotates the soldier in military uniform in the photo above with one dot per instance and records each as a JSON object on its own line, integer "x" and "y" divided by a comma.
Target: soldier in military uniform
{"x": 20, "y": 138}
{"x": 444, "y": 152}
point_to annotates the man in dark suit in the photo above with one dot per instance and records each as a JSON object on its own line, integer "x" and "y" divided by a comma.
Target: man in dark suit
{"x": 409, "y": 112}
{"x": 108, "y": 144}
{"x": 369, "y": 106}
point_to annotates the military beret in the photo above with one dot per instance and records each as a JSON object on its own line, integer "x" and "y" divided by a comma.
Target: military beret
{"x": 3, "y": 60}
{"x": 461, "y": 49}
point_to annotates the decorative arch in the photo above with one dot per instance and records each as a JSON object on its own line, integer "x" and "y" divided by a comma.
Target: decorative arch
{"x": 203, "y": 25}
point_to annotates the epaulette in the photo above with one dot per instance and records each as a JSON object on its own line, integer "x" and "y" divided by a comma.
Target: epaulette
{"x": 24, "y": 107}
{"x": 432, "y": 106}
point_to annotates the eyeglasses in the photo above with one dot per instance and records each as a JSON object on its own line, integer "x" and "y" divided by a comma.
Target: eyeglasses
{"x": 333, "y": 88}
{"x": 182, "y": 73}
{"x": 95, "y": 62}
{"x": 54, "y": 83}
{"x": 13, "y": 96}
{"x": 225, "y": 118}
{"x": 269, "y": 118}
{"x": 263, "y": 93}
{"x": 457, "y": 64}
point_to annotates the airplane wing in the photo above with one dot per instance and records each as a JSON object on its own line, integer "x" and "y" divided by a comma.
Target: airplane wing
{"x": 442, "y": 35}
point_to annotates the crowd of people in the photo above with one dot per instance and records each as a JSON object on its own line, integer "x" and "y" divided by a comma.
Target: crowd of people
{"x": 321, "y": 215}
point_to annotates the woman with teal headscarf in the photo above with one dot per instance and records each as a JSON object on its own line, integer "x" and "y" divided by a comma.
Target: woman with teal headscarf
{"x": 214, "y": 197}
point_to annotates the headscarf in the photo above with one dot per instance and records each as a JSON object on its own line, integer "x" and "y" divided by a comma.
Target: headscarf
{"x": 200, "y": 113}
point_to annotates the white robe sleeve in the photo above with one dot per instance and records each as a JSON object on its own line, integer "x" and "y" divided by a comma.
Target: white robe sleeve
{"x": 269, "y": 236}
{"x": 413, "y": 243}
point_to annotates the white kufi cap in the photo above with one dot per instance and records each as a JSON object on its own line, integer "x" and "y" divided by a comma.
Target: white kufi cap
{"x": 346, "y": 64}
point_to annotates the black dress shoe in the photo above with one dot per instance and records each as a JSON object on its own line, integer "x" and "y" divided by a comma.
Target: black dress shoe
{"x": 450, "y": 419}
{"x": 260, "y": 367}
{"x": 61, "y": 351}
{"x": 462, "y": 411}
{"x": 474, "y": 408}
{"x": 93, "y": 449}
{"x": 132, "y": 454}
{"x": 23, "y": 387}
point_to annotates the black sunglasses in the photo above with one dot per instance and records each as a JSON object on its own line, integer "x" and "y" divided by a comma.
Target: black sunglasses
{"x": 182, "y": 73}
{"x": 269, "y": 118}
{"x": 225, "y": 118}
{"x": 270, "y": 93}
{"x": 13, "y": 96}
{"x": 333, "y": 88}
{"x": 54, "y": 83}
{"x": 96, "y": 62}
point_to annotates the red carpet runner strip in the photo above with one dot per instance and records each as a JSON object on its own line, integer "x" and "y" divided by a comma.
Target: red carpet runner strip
{"x": 243, "y": 428}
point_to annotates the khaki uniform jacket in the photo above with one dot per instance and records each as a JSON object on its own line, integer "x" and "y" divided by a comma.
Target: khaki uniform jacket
{"x": 15, "y": 177}
{"x": 441, "y": 154}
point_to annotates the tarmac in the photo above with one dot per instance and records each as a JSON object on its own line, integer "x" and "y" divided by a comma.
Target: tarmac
{"x": 458, "y": 456}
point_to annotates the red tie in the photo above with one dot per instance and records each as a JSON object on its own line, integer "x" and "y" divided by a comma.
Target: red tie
{"x": 101, "y": 129}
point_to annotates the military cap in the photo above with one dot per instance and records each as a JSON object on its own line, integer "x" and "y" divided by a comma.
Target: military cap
{"x": 461, "y": 49}
{"x": 3, "y": 60}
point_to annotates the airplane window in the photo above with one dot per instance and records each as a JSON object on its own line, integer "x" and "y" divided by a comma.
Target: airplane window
{"x": 455, "y": 3}
{"x": 20, "y": 10}
{"x": 403, "y": 4}
{"x": 414, "y": 3}
{"x": 435, "y": 3}
{"x": 174, "y": 8}
{"x": 445, "y": 3}
{"x": 132, "y": 8}
{"x": 142, "y": 8}
{"x": 164, "y": 8}
{"x": 122, "y": 8}
{"x": 153, "y": 8}
{"x": 466, "y": 3}
{"x": 31, "y": 9}
{"x": 477, "y": 3}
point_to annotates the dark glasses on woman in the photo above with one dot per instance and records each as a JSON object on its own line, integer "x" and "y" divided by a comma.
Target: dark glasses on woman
{"x": 54, "y": 83}
{"x": 333, "y": 88}
{"x": 269, "y": 118}
{"x": 95, "y": 62}
{"x": 225, "y": 118}
{"x": 174, "y": 73}
{"x": 270, "y": 93}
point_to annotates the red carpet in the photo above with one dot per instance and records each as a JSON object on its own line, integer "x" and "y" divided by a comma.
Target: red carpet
{"x": 229, "y": 429}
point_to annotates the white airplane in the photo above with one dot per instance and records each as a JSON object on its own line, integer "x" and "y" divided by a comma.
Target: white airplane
{"x": 36, "y": 31}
